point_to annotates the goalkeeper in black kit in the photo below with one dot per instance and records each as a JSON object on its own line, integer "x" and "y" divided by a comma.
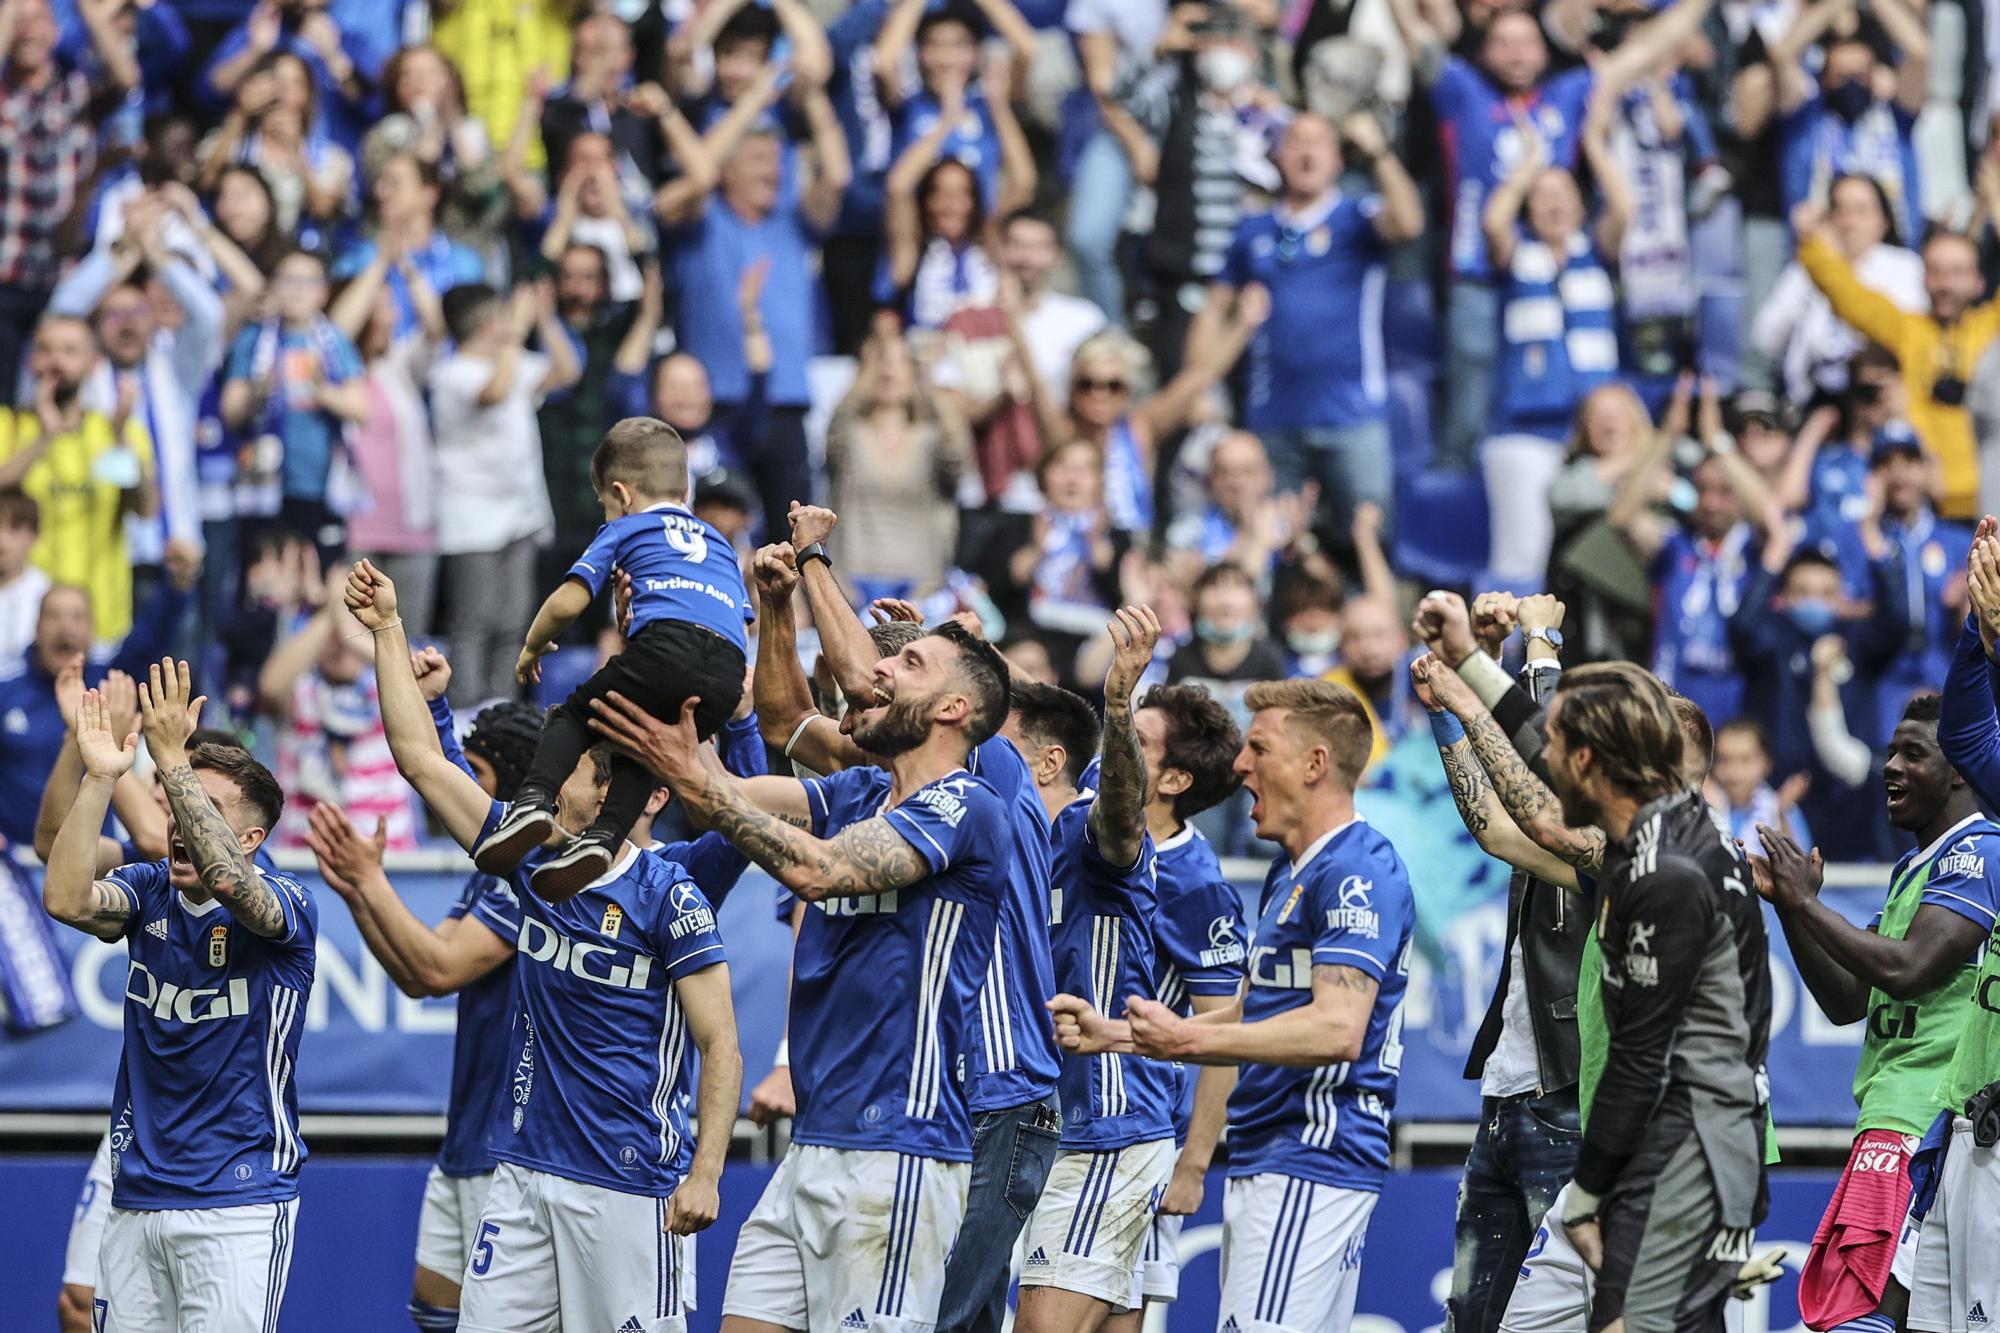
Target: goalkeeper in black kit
{"x": 1670, "y": 1179}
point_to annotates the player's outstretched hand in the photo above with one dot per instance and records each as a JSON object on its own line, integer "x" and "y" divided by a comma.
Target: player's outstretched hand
{"x": 773, "y": 1099}
{"x": 1158, "y": 1031}
{"x": 776, "y": 569}
{"x": 1423, "y": 671}
{"x": 121, "y": 696}
{"x": 811, "y": 523}
{"x": 104, "y": 755}
{"x": 1135, "y": 634}
{"x": 1795, "y": 877}
{"x": 693, "y": 1205}
{"x": 169, "y": 711}
{"x": 888, "y": 610}
{"x": 1444, "y": 623}
{"x": 346, "y": 859}
{"x": 1494, "y": 615}
{"x": 1081, "y": 1030}
{"x": 370, "y": 595}
{"x": 433, "y": 673}
{"x": 670, "y": 752}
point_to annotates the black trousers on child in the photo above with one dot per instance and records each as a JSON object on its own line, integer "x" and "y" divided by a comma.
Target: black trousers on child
{"x": 663, "y": 665}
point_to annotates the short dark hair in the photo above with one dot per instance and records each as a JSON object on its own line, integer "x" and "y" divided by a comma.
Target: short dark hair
{"x": 893, "y": 636}
{"x": 1306, "y": 592}
{"x": 1806, "y": 557}
{"x": 600, "y": 756}
{"x": 1926, "y": 708}
{"x": 255, "y": 786}
{"x": 1217, "y": 575}
{"x": 986, "y": 679}
{"x": 646, "y": 454}
{"x": 1202, "y": 742}
{"x": 466, "y": 307}
{"x": 952, "y": 11}
{"x": 19, "y": 510}
{"x": 1745, "y": 726}
{"x": 752, "y": 23}
{"x": 589, "y": 248}
{"x": 1028, "y": 214}
{"x": 1052, "y": 716}
{"x": 1873, "y": 356}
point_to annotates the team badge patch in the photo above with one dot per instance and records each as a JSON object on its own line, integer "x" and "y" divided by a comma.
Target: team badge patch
{"x": 614, "y": 918}
{"x": 218, "y": 947}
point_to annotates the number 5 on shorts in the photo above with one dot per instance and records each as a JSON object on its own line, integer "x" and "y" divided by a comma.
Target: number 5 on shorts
{"x": 482, "y": 1250}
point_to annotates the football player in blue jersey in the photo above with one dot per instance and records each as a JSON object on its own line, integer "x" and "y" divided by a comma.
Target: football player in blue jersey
{"x": 1011, "y": 1078}
{"x": 1190, "y": 744}
{"x": 600, "y": 1177}
{"x": 1117, "y": 1149}
{"x": 1318, "y": 1032}
{"x": 205, "y": 1138}
{"x": 904, "y": 868}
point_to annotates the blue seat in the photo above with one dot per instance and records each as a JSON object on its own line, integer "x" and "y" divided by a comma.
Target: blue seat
{"x": 562, "y": 671}
{"x": 1441, "y": 528}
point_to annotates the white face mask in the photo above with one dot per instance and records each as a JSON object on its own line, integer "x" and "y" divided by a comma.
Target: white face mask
{"x": 1224, "y": 68}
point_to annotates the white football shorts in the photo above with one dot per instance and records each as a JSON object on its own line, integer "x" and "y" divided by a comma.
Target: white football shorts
{"x": 221, "y": 1270}
{"x": 1088, "y": 1232}
{"x": 86, "y": 1225}
{"x": 1955, "y": 1285}
{"x": 448, "y": 1226}
{"x": 1291, "y": 1254}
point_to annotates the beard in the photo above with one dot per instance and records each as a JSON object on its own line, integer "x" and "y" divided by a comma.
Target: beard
{"x": 66, "y": 392}
{"x": 896, "y": 728}
{"x": 1578, "y": 810}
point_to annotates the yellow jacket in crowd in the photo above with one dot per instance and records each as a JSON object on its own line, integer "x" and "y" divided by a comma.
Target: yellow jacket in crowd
{"x": 83, "y": 511}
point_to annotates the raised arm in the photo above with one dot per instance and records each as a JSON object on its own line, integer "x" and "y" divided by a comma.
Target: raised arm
{"x": 1905, "y": 25}
{"x": 833, "y": 168}
{"x": 705, "y": 1000}
{"x": 1795, "y": 85}
{"x": 849, "y": 650}
{"x": 1118, "y": 815}
{"x": 1329, "y": 1030}
{"x": 901, "y": 225}
{"x": 169, "y": 711}
{"x": 1872, "y": 314}
{"x": 1649, "y": 46}
{"x": 113, "y": 47}
{"x": 679, "y": 200}
{"x": 892, "y": 43}
{"x": 59, "y": 792}
{"x": 449, "y": 791}
{"x": 1366, "y": 148}
{"x": 1500, "y": 219}
{"x": 1615, "y": 192}
{"x": 71, "y": 891}
{"x": 1423, "y": 38}
{"x": 785, "y": 711}
{"x": 1018, "y": 175}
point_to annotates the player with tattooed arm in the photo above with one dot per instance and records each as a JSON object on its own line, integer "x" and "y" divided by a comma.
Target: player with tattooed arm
{"x": 601, "y": 1174}
{"x": 903, "y": 868}
{"x": 205, "y": 1128}
{"x": 1318, "y": 1031}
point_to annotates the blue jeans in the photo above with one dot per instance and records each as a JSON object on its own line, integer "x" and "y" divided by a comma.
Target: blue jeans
{"x": 1350, "y": 463}
{"x": 1097, "y": 203}
{"x": 1012, "y": 1150}
{"x": 1472, "y": 345}
{"x": 1524, "y": 1153}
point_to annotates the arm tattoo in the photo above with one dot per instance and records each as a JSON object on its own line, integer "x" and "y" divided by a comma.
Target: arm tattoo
{"x": 1118, "y": 816}
{"x": 1347, "y": 978}
{"x": 218, "y": 858}
{"x": 108, "y": 910}
{"x": 1470, "y": 787}
{"x": 869, "y": 857}
{"x": 1528, "y": 799}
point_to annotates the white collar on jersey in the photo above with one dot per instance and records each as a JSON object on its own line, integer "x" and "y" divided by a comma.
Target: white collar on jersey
{"x": 1181, "y": 839}
{"x": 193, "y": 908}
{"x": 1944, "y": 838}
{"x": 667, "y": 504}
{"x": 619, "y": 865}
{"x": 1299, "y": 866}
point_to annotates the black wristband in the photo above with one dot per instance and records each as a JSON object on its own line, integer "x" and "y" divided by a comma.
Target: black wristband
{"x": 811, "y": 552}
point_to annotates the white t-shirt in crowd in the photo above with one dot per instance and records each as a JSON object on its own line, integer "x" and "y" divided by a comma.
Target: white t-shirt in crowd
{"x": 1054, "y": 329}
{"x": 1510, "y": 1069}
{"x": 20, "y": 608}
{"x": 489, "y": 458}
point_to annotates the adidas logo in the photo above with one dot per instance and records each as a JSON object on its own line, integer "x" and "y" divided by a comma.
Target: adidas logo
{"x": 1229, "y": 1325}
{"x": 632, "y": 1325}
{"x": 157, "y": 929}
{"x": 855, "y": 1319}
{"x": 1038, "y": 1258}
{"x": 1977, "y": 1314}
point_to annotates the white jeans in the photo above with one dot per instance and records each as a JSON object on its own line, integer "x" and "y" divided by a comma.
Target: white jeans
{"x": 1518, "y": 471}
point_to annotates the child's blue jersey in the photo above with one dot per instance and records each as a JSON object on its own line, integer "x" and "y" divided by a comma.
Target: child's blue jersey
{"x": 1101, "y": 928}
{"x": 884, "y": 985}
{"x": 206, "y": 1111}
{"x": 1347, "y": 904}
{"x": 681, "y": 569}
{"x": 601, "y": 1066}
{"x": 1198, "y": 938}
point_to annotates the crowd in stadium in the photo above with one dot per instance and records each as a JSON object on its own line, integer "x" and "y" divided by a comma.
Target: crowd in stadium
{"x": 1156, "y": 345}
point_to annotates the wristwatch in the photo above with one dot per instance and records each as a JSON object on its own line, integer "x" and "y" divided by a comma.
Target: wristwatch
{"x": 1552, "y": 637}
{"x": 812, "y": 552}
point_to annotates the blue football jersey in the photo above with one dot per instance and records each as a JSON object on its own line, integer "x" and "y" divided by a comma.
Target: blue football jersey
{"x": 600, "y": 1066}
{"x": 206, "y": 1111}
{"x": 480, "y": 1046}
{"x": 1198, "y": 937}
{"x": 1347, "y": 905}
{"x": 884, "y": 985}
{"x": 1014, "y": 1053}
{"x": 681, "y": 568}
{"x": 1102, "y": 935}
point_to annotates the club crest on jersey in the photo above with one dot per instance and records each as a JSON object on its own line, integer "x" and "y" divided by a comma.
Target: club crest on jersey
{"x": 1354, "y": 915}
{"x": 1962, "y": 860}
{"x": 1285, "y": 912}
{"x": 614, "y": 921}
{"x": 218, "y": 947}
{"x": 946, "y": 800}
